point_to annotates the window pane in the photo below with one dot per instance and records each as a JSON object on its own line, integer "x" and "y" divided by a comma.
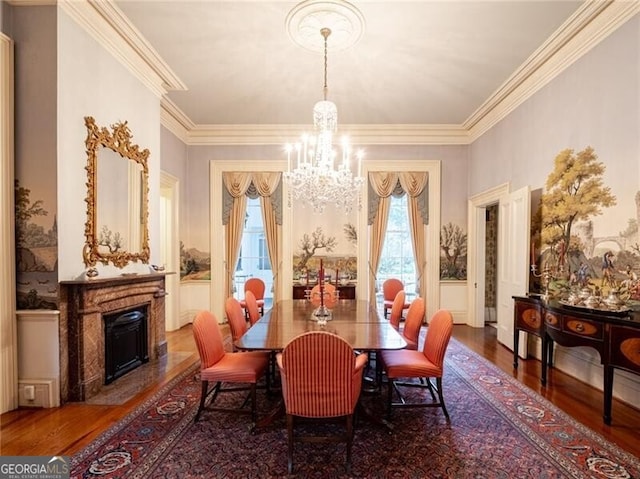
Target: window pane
{"x": 254, "y": 257}
{"x": 396, "y": 260}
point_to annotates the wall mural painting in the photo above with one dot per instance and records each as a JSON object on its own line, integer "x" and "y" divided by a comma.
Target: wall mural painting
{"x": 453, "y": 252}
{"x": 195, "y": 265}
{"x": 337, "y": 261}
{"x": 572, "y": 260}
{"x": 36, "y": 253}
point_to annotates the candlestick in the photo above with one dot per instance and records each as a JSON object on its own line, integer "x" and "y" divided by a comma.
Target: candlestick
{"x": 533, "y": 253}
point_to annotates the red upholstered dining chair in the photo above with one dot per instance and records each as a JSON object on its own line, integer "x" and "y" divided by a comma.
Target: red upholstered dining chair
{"x": 235, "y": 316}
{"x": 396, "y": 310}
{"x": 257, "y": 287}
{"x": 413, "y": 323}
{"x": 219, "y": 366}
{"x": 321, "y": 378}
{"x": 428, "y": 363}
{"x": 251, "y": 306}
{"x": 390, "y": 289}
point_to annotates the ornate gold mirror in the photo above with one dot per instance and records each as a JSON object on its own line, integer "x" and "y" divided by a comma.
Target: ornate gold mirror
{"x": 116, "y": 230}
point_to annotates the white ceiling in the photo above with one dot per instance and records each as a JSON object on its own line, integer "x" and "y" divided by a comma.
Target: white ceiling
{"x": 417, "y": 63}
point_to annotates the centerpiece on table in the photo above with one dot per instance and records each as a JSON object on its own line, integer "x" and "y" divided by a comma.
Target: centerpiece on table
{"x": 324, "y": 297}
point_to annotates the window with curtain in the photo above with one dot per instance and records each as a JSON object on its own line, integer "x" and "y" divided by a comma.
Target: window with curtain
{"x": 253, "y": 261}
{"x": 397, "y": 259}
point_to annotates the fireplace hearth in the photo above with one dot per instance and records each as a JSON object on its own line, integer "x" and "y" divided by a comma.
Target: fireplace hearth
{"x": 92, "y": 309}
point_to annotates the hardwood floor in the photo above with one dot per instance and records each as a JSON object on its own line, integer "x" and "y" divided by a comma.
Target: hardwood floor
{"x": 67, "y": 429}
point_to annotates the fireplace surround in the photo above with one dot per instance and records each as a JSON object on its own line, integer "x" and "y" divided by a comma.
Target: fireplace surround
{"x": 84, "y": 304}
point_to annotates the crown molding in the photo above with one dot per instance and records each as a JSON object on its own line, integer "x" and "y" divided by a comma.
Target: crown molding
{"x": 174, "y": 120}
{"x": 106, "y": 23}
{"x": 253, "y": 135}
{"x": 590, "y": 24}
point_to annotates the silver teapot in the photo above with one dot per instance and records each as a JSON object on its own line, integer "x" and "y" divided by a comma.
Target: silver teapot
{"x": 614, "y": 299}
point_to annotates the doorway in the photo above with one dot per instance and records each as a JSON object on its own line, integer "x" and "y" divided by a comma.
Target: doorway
{"x": 477, "y": 252}
{"x": 491, "y": 265}
{"x": 170, "y": 248}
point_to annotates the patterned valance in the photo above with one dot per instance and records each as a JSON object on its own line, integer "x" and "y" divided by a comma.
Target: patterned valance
{"x": 253, "y": 185}
{"x": 382, "y": 184}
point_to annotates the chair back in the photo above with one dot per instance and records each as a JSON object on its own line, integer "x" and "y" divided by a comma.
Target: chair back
{"x": 235, "y": 316}
{"x": 208, "y": 337}
{"x": 319, "y": 376}
{"x": 390, "y": 288}
{"x": 252, "y": 307}
{"x": 329, "y": 295}
{"x": 256, "y": 286}
{"x": 438, "y": 336}
{"x": 413, "y": 323}
{"x": 396, "y": 309}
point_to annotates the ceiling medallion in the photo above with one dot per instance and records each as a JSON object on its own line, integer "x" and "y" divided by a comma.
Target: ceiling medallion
{"x": 307, "y": 18}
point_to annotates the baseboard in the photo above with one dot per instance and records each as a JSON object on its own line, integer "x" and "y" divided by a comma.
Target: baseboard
{"x": 46, "y": 393}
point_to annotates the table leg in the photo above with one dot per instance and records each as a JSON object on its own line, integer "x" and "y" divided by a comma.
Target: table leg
{"x": 268, "y": 420}
{"x": 545, "y": 354}
{"x": 608, "y": 391}
{"x": 515, "y": 348}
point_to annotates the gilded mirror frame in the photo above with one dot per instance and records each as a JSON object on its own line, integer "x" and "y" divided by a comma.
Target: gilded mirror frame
{"x": 119, "y": 141}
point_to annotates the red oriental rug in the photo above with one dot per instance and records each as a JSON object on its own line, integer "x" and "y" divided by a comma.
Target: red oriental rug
{"x": 499, "y": 429}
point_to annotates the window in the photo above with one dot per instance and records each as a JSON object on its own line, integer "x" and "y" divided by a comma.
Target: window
{"x": 397, "y": 259}
{"x": 253, "y": 261}
{"x": 263, "y": 254}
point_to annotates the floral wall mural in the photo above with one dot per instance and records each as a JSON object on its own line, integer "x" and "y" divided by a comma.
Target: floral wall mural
{"x": 565, "y": 244}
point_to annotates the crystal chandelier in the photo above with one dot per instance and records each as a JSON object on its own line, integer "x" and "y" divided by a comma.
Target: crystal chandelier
{"x": 320, "y": 177}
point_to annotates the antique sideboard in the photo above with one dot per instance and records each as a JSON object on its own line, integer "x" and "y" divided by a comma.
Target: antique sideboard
{"x": 615, "y": 335}
{"x": 347, "y": 291}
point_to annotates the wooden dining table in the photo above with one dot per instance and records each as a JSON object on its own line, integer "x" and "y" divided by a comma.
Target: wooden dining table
{"x": 356, "y": 321}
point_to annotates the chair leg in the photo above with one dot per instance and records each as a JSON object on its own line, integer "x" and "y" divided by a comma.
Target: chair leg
{"x": 203, "y": 396}
{"x": 390, "y": 388}
{"x": 439, "y": 388}
{"x": 253, "y": 402}
{"x": 427, "y": 382}
{"x": 349, "y": 441}
{"x": 290, "y": 443}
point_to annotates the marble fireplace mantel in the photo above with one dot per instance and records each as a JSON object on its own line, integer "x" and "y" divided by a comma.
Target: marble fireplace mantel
{"x": 82, "y": 345}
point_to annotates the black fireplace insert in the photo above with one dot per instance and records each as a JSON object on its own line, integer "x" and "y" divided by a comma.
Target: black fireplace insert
{"x": 125, "y": 346}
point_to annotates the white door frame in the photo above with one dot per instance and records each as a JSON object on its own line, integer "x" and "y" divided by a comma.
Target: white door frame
{"x": 477, "y": 209}
{"x": 170, "y": 191}
{"x": 8, "y": 325}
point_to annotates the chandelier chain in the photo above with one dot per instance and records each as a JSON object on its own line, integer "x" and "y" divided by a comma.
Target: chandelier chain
{"x": 325, "y": 32}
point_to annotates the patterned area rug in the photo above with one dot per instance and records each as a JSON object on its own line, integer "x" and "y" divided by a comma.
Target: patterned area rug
{"x": 499, "y": 429}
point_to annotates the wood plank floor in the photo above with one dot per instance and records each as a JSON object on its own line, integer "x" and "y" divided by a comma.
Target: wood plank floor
{"x": 67, "y": 429}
